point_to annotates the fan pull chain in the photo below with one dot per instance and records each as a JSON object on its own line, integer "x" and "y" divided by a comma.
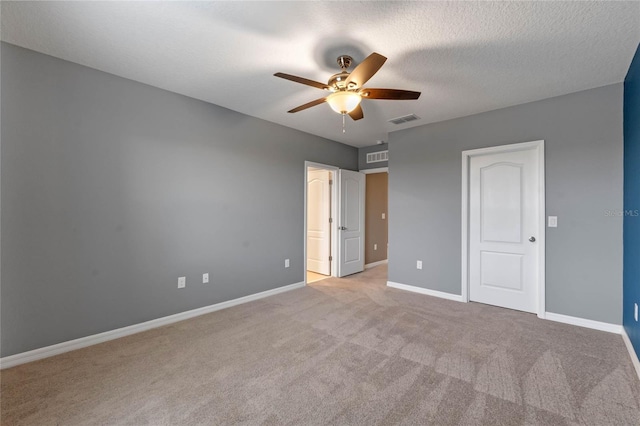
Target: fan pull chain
{"x": 344, "y": 130}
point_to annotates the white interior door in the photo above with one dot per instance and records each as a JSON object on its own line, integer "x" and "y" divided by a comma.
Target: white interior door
{"x": 503, "y": 229}
{"x": 318, "y": 224}
{"x": 351, "y": 224}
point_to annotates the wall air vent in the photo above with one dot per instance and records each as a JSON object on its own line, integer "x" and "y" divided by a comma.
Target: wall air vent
{"x": 404, "y": 119}
{"x": 377, "y": 157}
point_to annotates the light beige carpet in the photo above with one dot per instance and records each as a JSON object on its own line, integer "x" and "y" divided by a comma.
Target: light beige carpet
{"x": 343, "y": 351}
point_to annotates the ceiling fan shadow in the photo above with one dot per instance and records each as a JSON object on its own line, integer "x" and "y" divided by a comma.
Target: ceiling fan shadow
{"x": 247, "y": 17}
{"x": 328, "y": 49}
{"x": 460, "y": 66}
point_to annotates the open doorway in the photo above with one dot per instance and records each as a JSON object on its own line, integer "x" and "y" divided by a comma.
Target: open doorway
{"x": 376, "y": 217}
{"x": 320, "y": 232}
{"x": 334, "y": 232}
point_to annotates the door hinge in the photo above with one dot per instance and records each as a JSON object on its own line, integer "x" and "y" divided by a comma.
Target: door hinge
{"x": 330, "y": 182}
{"x": 330, "y": 220}
{"x": 330, "y": 258}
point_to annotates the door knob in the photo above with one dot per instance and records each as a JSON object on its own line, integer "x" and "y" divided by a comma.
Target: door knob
{"x": 343, "y": 228}
{"x": 532, "y": 239}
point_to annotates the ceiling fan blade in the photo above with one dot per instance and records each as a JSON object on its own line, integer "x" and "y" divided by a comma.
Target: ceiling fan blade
{"x": 302, "y": 80}
{"x": 309, "y": 105}
{"x": 357, "y": 113}
{"x": 389, "y": 94}
{"x": 366, "y": 69}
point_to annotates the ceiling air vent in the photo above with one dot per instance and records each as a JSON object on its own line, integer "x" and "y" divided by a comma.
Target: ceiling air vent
{"x": 404, "y": 119}
{"x": 377, "y": 157}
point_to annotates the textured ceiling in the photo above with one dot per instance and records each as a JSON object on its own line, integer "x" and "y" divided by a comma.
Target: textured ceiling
{"x": 465, "y": 57}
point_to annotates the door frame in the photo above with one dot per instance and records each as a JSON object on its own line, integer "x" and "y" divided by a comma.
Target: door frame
{"x": 373, "y": 171}
{"x": 334, "y": 213}
{"x": 538, "y": 147}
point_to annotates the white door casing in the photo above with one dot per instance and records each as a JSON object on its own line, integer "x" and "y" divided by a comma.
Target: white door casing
{"x": 318, "y": 226}
{"x": 333, "y": 173}
{"x": 351, "y": 222}
{"x": 504, "y": 253}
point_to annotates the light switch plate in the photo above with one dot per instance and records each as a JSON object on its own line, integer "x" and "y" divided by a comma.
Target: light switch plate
{"x": 384, "y": 215}
{"x": 553, "y": 221}
{"x": 286, "y": 263}
{"x": 205, "y": 278}
{"x": 419, "y": 264}
{"x": 182, "y": 282}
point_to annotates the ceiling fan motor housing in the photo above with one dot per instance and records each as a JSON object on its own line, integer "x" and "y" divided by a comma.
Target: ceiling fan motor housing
{"x": 338, "y": 81}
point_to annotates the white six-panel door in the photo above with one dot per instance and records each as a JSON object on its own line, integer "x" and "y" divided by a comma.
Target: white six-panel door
{"x": 504, "y": 229}
{"x": 318, "y": 225}
{"x": 351, "y": 224}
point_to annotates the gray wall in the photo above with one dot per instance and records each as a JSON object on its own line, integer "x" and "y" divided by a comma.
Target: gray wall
{"x": 362, "y": 157}
{"x": 583, "y": 147}
{"x": 111, "y": 189}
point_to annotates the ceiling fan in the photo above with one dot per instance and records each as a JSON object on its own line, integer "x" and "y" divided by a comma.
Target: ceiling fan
{"x": 346, "y": 87}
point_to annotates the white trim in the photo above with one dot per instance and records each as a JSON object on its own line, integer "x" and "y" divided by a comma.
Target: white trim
{"x": 83, "y": 342}
{"x": 426, "y": 291}
{"x": 374, "y": 264}
{"x": 376, "y": 170}
{"x": 464, "y": 267}
{"x": 514, "y": 147}
{"x": 582, "y": 322}
{"x": 632, "y": 353}
{"x": 466, "y": 156}
{"x": 542, "y": 229}
{"x": 334, "y": 215}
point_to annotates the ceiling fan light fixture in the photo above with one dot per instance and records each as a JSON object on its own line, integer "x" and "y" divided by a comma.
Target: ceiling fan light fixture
{"x": 344, "y": 102}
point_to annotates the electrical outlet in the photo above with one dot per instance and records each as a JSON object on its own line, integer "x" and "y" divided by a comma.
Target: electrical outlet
{"x": 286, "y": 263}
{"x": 182, "y": 282}
{"x": 635, "y": 311}
{"x": 553, "y": 222}
{"x": 375, "y": 247}
{"x": 384, "y": 215}
{"x": 419, "y": 264}
{"x": 205, "y": 278}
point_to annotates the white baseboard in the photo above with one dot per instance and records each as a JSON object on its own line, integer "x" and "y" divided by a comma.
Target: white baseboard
{"x": 434, "y": 293}
{"x": 83, "y": 342}
{"x": 581, "y": 322}
{"x": 632, "y": 352}
{"x": 374, "y": 264}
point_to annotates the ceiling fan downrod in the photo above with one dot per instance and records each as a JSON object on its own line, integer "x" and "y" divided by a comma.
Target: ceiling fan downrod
{"x": 344, "y": 62}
